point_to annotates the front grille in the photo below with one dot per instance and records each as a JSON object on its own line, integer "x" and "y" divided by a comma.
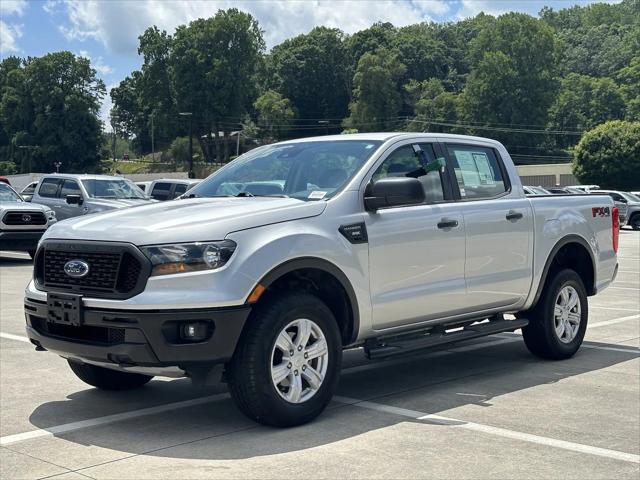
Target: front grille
{"x": 115, "y": 270}
{"x": 83, "y": 333}
{"x": 24, "y": 218}
{"x": 103, "y": 269}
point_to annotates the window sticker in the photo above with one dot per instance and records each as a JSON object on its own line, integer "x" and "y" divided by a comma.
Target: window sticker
{"x": 485, "y": 172}
{"x": 317, "y": 195}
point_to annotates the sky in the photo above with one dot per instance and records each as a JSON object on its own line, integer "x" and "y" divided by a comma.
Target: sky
{"x": 106, "y": 31}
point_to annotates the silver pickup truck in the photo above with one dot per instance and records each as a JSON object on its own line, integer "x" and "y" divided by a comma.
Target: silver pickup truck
{"x": 269, "y": 268}
{"x": 73, "y": 195}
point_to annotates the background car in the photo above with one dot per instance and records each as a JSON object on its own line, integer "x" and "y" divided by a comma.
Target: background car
{"x": 21, "y": 223}
{"x": 169, "y": 188}
{"x": 628, "y": 202}
{"x": 27, "y": 192}
{"x": 5, "y": 180}
{"x": 565, "y": 191}
{"x": 144, "y": 185}
{"x": 74, "y": 195}
{"x": 529, "y": 190}
{"x": 585, "y": 188}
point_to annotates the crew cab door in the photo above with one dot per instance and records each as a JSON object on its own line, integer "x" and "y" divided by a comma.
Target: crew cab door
{"x": 68, "y": 210}
{"x": 416, "y": 252}
{"x": 499, "y": 226}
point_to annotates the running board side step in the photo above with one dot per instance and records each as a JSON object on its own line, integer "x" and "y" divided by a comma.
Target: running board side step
{"x": 379, "y": 348}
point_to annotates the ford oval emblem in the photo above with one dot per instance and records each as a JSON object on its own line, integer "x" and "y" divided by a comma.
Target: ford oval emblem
{"x": 76, "y": 268}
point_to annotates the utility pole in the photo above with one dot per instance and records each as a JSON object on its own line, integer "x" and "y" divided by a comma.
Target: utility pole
{"x": 153, "y": 147}
{"x": 190, "y": 174}
{"x": 237, "y": 143}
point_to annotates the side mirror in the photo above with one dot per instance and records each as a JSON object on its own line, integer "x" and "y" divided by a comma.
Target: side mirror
{"x": 74, "y": 199}
{"x": 393, "y": 192}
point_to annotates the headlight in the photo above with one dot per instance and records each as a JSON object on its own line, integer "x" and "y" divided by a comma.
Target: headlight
{"x": 188, "y": 257}
{"x": 51, "y": 214}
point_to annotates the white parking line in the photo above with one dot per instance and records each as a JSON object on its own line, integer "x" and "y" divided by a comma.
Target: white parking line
{"x": 613, "y": 321}
{"x": 94, "y": 422}
{"x": 488, "y": 429}
{"x": 598, "y": 307}
{"x": 635, "y": 289}
{"x": 10, "y": 336}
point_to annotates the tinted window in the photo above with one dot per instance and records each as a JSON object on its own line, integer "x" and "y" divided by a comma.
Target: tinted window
{"x": 405, "y": 162}
{"x": 179, "y": 190}
{"x": 161, "y": 191}
{"x": 49, "y": 187}
{"x": 477, "y": 171}
{"x": 70, "y": 187}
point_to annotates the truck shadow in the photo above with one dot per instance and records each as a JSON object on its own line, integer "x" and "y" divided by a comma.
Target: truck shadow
{"x": 433, "y": 383}
{"x": 14, "y": 261}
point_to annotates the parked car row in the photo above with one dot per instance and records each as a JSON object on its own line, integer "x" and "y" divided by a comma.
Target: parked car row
{"x": 628, "y": 203}
{"x": 61, "y": 196}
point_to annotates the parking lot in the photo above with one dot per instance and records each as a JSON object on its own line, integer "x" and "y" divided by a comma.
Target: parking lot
{"x": 484, "y": 409}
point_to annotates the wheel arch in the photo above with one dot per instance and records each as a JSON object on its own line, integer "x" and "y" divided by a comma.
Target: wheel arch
{"x": 323, "y": 278}
{"x": 571, "y": 251}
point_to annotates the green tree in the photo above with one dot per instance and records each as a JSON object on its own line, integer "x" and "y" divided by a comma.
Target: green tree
{"x": 629, "y": 80}
{"x": 432, "y": 105}
{"x": 213, "y": 62}
{"x": 376, "y": 94}
{"x": 49, "y": 112}
{"x": 313, "y": 71}
{"x": 179, "y": 150}
{"x": 584, "y": 102}
{"x": 609, "y": 155}
{"x": 513, "y": 79}
{"x": 274, "y": 114}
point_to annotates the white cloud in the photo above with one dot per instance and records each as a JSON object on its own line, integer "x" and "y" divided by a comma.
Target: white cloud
{"x": 98, "y": 63}
{"x": 471, "y": 8}
{"x": 12, "y": 7}
{"x": 117, "y": 23}
{"x": 9, "y": 35}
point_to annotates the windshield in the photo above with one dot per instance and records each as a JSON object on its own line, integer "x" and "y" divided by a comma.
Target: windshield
{"x": 112, "y": 188}
{"x": 7, "y": 194}
{"x": 306, "y": 170}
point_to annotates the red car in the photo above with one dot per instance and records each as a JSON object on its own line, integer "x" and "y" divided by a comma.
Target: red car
{"x": 5, "y": 180}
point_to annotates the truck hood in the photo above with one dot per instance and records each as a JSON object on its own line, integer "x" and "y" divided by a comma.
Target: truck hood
{"x": 20, "y": 206}
{"x": 111, "y": 203}
{"x": 189, "y": 220}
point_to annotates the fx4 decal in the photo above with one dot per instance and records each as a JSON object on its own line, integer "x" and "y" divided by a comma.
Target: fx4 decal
{"x": 600, "y": 212}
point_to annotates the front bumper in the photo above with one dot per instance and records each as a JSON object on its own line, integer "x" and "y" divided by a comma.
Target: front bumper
{"x": 21, "y": 241}
{"x": 137, "y": 338}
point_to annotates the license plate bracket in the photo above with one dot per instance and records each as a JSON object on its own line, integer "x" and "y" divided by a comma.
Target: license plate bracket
{"x": 64, "y": 309}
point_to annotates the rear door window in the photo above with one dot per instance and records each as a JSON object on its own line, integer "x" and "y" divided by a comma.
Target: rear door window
{"x": 49, "y": 187}
{"x": 478, "y": 172}
{"x": 161, "y": 191}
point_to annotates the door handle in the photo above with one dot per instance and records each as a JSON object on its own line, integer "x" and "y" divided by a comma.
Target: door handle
{"x": 513, "y": 215}
{"x": 447, "y": 223}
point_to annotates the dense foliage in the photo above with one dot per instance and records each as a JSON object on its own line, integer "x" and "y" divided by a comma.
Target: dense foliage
{"x": 49, "y": 113}
{"x": 536, "y": 84}
{"x": 609, "y": 155}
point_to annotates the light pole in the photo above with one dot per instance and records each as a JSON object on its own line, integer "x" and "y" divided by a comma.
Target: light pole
{"x": 190, "y": 115}
{"x": 27, "y": 148}
{"x": 153, "y": 147}
{"x": 326, "y": 126}
{"x": 57, "y": 165}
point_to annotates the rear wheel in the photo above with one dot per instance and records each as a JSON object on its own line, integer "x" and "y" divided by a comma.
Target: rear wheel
{"x": 286, "y": 367}
{"x": 635, "y": 221}
{"x": 558, "y": 322}
{"x": 106, "y": 378}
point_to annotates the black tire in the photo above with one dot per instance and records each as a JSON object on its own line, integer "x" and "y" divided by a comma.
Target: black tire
{"x": 634, "y": 222}
{"x": 106, "y": 378}
{"x": 249, "y": 372}
{"x": 540, "y": 335}
{"x": 32, "y": 254}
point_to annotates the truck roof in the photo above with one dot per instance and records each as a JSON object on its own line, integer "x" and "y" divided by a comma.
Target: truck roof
{"x": 84, "y": 176}
{"x": 384, "y": 136}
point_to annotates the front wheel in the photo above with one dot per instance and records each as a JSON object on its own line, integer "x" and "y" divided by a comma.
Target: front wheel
{"x": 106, "y": 378}
{"x": 287, "y": 364}
{"x": 558, "y": 322}
{"x": 635, "y": 222}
